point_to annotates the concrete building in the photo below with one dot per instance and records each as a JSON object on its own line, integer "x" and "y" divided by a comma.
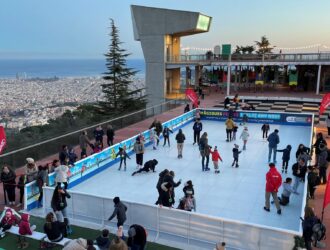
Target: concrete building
{"x": 160, "y": 31}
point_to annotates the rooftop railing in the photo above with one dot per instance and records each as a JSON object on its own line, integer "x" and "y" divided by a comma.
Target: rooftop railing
{"x": 42, "y": 150}
{"x": 307, "y": 57}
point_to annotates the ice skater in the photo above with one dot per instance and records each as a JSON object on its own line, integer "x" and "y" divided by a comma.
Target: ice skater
{"x": 273, "y": 139}
{"x": 229, "y": 128}
{"x": 285, "y": 158}
{"x": 166, "y": 134}
{"x": 287, "y": 191}
{"x": 299, "y": 170}
{"x": 244, "y": 136}
{"x": 236, "y": 152}
{"x": 273, "y": 183}
{"x": 148, "y": 166}
{"x": 198, "y": 127}
{"x": 154, "y": 139}
{"x": 180, "y": 138}
{"x": 204, "y": 150}
{"x": 215, "y": 158}
{"x": 123, "y": 155}
{"x": 139, "y": 151}
{"x": 157, "y": 125}
{"x": 235, "y": 128}
{"x": 265, "y": 128}
{"x": 244, "y": 120}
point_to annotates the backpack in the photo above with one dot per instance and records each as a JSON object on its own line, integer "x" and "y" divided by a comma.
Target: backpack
{"x": 318, "y": 231}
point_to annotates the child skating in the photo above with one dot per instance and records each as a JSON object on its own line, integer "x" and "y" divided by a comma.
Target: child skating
{"x": 215, "y": 158}
{"x": 285, "y": 158}
{"x": 244, "y": 136}
{"x": 236, "y": 152}
{"x": 154, "y": 138}
{"x": 265, "y": 128}
{"x": 123, "y": 155}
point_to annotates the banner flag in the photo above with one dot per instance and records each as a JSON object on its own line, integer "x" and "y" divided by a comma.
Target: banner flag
{"x": 325, "y": 103}
{"x": 191, "y": 94}
{"x": 326, "y": 200}
{"x": 3, "y": 140}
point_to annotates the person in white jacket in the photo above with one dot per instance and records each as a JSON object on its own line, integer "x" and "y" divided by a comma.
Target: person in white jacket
{"x": 61, "y": 174}
{"x": 244, "y": 136}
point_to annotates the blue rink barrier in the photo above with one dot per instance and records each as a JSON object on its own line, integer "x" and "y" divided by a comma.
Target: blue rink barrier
{"x": 295, "y": 119}
{"x": 96, "y": 163}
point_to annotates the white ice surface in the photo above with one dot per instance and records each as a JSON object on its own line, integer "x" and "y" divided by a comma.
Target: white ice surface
{"x": 235, "y": 193}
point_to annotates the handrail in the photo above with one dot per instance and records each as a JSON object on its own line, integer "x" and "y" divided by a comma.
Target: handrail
{"x": 80, "y": 130}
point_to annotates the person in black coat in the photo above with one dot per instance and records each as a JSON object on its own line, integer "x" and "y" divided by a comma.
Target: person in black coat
{"x": 188, "y": 186}
{"x": 169, "y": 178}
{"x": 119, "y": 211}
{"x": 137, "y": 237}
{"x": 166, "y": 134}
{"x": 316, "y": 145}
{"x": 160, "y": 182}
{"x": 309, "y": 221}
{"x": 285, "y": 157}
{"x": 299, "y": 170}
{"x": 103, "y": 241}
{"x": 63, "y": 154}
{"x": 110, "y": 135}
{"x": 186, "y": 108}
{"x": 54, "y": 229}
{"x": 158, "y": 128}
{"x": 180, "y": 138}
{"x": 166, "y": 195}
{"x": 98, "y": 135}
{"x": 8, "y": 177}
{"x": 198, "y": 127}
{"x": 301, "y": 150}
{"x": 226, "y": 103}
{"x": 59, "y": 204}
{"x": 148, "y": 166}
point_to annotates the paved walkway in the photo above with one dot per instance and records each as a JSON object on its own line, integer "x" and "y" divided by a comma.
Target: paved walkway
{"x": 211, "y": 100}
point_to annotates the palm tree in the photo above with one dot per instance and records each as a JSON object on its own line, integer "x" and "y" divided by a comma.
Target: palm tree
{"x": 263, "y": 46}
{"x": 238, "y": 50}
{"x": 250, "y": 49}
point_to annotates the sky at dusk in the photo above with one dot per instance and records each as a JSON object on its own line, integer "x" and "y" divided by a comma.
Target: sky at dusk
{"x": 79, "y": 28}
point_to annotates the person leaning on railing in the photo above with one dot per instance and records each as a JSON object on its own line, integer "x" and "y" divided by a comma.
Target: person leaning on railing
{"x": 31, "y": 170}
{"x": 8, "y": 177}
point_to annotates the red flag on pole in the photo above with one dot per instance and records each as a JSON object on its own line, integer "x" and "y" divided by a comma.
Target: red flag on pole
{"x": 325, "y": 103}
{"x": 326, "y": 200}
{"x": 191, "y": 94}
{"x": 3, "y": 140}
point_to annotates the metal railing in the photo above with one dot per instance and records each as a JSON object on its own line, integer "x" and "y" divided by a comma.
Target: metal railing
{"x": 46, "y": 148}
{"x": 306, "y": 57}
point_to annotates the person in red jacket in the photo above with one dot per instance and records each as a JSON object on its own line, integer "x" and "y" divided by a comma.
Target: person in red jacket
{"x": 273, "y": 182}
{"x": 7, "y": 221}
{"x": 215, "y": 158}
{"x": 24, "y": 229}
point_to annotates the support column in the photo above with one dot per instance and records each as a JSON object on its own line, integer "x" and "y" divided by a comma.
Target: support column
{"x": 318, "y": 80}
{"x": 228, "y": 79}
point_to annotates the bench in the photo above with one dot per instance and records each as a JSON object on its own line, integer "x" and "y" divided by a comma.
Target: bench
{"x": 38, "y": 236}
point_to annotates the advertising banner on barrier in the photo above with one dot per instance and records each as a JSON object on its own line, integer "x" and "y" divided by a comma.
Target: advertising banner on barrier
{"x": 259, "y": 117}
{"x": 95, "y": 163}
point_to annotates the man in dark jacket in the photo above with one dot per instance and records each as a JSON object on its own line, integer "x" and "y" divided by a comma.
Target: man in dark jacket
{"x": 137, "y": 237}
{"x": 110, "y": 135}
{"x": 273, "y": 139}
{"x": 158, "y": 128}
{"x": 103, "y": 241}
{"x": 119, "y": 211}
{"x": 63, "y": 154}
{"x": 299, "y": 170}
{"x": 169, "y": 178}
{"x": 148, "y": 166}
{"x": 198, "y": 127}
{"x": 160, "y": 182}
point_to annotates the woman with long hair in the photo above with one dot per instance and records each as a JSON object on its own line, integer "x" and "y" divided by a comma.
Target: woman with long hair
{"x": 8, "y": 177}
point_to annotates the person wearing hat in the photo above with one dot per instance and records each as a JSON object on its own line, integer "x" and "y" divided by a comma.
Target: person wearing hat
{"x": 215, "y": 159}
{"x": 273, "y": 139}
{"x": 236, "y": 153}
{"x": 137, "y": 237}
{"x": 139, "y": 151}
{"x": 323, "y": 162}
{"x": 148, "y": 166}
{"x": 273, "y": 183}
{"x": 244, "y": 136}
{"x": 119, "y": 211}
{"x": 31, "y": 170}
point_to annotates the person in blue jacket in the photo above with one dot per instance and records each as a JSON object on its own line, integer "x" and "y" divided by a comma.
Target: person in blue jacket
{"x": 285, "y": 157}
{"x": 273, "y": 139}
{"x": 198, "y": 127}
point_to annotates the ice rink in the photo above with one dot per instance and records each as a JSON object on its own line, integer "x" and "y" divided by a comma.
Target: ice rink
{"x": 235, "y": 193}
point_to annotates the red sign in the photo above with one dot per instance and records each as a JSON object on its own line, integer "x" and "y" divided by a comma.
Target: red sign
{"x": 325, "y": 103}
{"x": 3, "y": 140}
{"x": 326, "y": 200}
{"x": 190, "y": 93}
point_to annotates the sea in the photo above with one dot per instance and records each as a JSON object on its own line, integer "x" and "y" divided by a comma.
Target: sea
{"x": 50, "y": 68}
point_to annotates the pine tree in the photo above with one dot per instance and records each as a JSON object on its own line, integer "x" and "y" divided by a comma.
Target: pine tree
{"x": 119, "y": 93}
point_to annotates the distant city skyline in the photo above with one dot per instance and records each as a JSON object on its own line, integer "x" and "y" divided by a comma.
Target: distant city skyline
{"x": 37, "y": 29}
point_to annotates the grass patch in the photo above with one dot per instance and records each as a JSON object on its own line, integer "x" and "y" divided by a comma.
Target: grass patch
{"x": 9, "y": 242}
